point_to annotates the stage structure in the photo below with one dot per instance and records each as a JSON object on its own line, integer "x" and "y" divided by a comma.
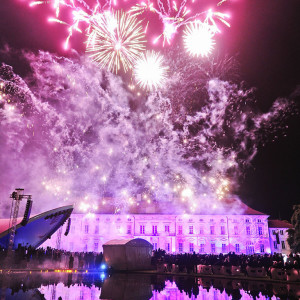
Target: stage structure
{"x": 37, "y": 230}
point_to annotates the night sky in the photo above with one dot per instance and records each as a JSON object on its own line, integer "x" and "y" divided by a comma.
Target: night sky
{"x": 265, "y": 37}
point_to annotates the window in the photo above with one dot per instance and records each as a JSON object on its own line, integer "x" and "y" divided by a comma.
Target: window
{"x": 262, "y": 248}
{"x": 180, "y": 229}
{"x": 167, "y": 228}
{"x": 191, "y": 229}
{"x": 275, "y": 244}
{"x": 211, "y": 220}
{"x": 236, "y": 230}
{"x": 154, "y": 229}
{"x": 247, "y": 221}
{"x": 180, "y": 247}
{"x": 96, "y": 247}
{"x": 213, "y": 248}
{"x": 129, "y": 220}
{"x": 224, "y": 248}
{"x": 201, "y": 220}
{"x": 97, "y": 229}
{"x": 273, "y": 231}
{"x": 237, "y": 248}
{"x": 190, "y": 220}
{"x": 86, "y": 228}
{"x": 212, "y": 229}
{"x": 191, "y": 247}
{"x": 97, "y": 219}
{"x": 128, "y": 229}
{"x": 167, "y": 247}
{"x": 201, "y": 250}
{"x": 154, "y": 246}
{"x": 249, "y": 248}
{"x": 222, "y": 229}
{"x": 260, "y": 231}
{"x": 142, "y": 229}
{"x": 248, "y": 231}
{"x": 281, "y": 232}
{"x": 259, "y": 221}
{"x": 282, "y": 244}
{"x": 222, "y": 221}
{"x": 201, "y": 231}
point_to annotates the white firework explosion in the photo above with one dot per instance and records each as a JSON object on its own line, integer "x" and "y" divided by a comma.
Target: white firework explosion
{"x": 150, "y": 71}
{"x": 198, "y": 39}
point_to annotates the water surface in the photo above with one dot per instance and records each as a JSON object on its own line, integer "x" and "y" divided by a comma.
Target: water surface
{"x": 86, "y": 286}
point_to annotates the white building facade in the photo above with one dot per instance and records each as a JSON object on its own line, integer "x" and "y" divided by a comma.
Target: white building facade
{"x": 278, "y": 232}
{"x": 248, "y": 233}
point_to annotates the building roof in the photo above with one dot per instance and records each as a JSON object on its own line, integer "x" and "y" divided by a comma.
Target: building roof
{"x": 38, "y": 229}
{"x": 117, "y": 242}
{"x": 230, "y": 206}
{"x": 279, "y": 224}
{"x": 250, "y": 211}
{"x": 128, "y": 242}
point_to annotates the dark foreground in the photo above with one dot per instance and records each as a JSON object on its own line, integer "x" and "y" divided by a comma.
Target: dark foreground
{"x": 99, "y": 285}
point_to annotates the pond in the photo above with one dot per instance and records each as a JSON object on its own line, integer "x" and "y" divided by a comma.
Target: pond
{"x": 86, "y": 286}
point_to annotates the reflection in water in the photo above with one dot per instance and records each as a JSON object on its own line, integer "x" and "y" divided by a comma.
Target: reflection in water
{"x": 129, "y": 287}
{"x": 92, "y": 286}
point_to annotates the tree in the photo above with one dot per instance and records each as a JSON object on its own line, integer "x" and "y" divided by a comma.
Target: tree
{"x": 294, "y": 233}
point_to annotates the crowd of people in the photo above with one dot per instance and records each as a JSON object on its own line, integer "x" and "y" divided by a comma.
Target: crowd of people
{"x": 189, "y": 262}
{"x": 29, "y": 257}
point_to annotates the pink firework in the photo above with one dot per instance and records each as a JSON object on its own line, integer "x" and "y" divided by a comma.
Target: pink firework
{"x": 173, "y": 17}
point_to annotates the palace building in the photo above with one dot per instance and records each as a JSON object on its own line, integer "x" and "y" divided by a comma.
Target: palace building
{"x": 248, "y": 232}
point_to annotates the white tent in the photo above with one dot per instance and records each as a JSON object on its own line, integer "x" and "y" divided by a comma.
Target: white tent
{"x": 128, "y": 254}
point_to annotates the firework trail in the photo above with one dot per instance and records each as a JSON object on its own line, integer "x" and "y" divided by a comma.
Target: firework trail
{"x": 95, "y": 20}
{"x": 173, "y": 18}
{"x": 82, "y": 13}
{"x": 69, "y": 133}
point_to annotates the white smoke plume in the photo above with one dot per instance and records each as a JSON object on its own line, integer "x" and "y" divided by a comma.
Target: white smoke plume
{"x": 71, "y": 133}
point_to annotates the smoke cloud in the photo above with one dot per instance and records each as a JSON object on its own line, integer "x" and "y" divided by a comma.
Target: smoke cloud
{"x": 72, "y": 133}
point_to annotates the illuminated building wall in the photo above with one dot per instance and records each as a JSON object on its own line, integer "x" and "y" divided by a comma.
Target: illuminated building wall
{"x": 278, "y": 236}
{"x": 173, "y": 233}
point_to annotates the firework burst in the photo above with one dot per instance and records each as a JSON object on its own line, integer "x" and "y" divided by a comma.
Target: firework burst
{"x": 198, "y": 39}
{"x": 116, "y": 40}
{"x": 150, "y": 71}
{"x": 173, "y": 17}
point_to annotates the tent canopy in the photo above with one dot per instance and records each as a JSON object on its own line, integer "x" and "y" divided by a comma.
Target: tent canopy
{"x": 128, "y": 254}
